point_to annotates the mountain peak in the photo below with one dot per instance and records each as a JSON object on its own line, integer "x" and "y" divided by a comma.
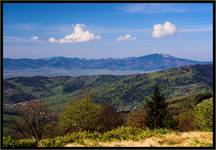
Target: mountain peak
{"x": 164, "y": 55}
{"x": 151, "y": 62}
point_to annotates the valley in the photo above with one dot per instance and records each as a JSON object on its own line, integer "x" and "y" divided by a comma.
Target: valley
{"x": 120, "y": 91}
{"x": 185, "y": 84}
{"x": 184, "y": 88}
{"x": 107, "y": 74}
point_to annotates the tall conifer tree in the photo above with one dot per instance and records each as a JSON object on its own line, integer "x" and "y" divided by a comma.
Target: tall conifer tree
{"x": 157, "y": 110}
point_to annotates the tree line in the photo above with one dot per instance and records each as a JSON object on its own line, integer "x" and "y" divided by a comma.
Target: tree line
{"x": 35, "y": 121}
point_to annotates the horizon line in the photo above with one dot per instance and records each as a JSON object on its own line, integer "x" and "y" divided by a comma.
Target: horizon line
{"x": 108, "y": 57}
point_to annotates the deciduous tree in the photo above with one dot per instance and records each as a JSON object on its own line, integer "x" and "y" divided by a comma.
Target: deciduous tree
{"x": 109, "y": 118}
{"x": 33, "y": 118}
{"x": 137, "y": 119}
{"x": 80, "y": 115}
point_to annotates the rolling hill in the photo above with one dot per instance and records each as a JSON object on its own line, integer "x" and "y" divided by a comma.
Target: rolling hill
{"x": 125, "y": 92}
{"x": 56, "y": 66}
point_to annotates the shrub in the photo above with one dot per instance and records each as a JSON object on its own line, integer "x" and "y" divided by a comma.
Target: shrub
{"x": 52, "y": 142}
{"x": 82, "y": 115}
{"x": 8, "y": 142}
{"x": 69, "y": 138}
{"x": 186, "y": 121}
{"x": 121, "y": 133}
{"x": 137, "y": 119}
{"x": 109, "y": 118}
{"x": 26, "y": 143}
{"x": 204, "y": 115}
{"x": 129, "y": 133}
{"x": 161, "y": 131}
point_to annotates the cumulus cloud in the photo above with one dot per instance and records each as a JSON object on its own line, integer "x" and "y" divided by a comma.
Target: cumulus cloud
{"x": 79, "y": 34}
{"x": 127, "y": 37}
{"x": 165, "y": 30}
{"x": 34, "y": 38}
{"x": 53, "y": 40}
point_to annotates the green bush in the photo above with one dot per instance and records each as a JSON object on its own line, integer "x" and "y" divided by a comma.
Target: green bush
{"x": 161, "y": 131}
{"x": 80, "y": 116}
{"x": 51, "y": 142}
{"x": 8, "y": 142}
{"x": 129, "y": 133}
{"x": 69, "y": 138}
{"x": 204, "y": 115}
{"x": 57, "y": 141}
{"x": 26, "y": 143}
{"x": 121, "y": 133}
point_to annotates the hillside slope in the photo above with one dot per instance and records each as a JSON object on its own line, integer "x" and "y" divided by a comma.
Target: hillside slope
{"x": 125, "y": 91}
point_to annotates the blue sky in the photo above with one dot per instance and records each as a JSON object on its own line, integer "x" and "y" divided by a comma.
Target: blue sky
{"x": 107, "y": 30}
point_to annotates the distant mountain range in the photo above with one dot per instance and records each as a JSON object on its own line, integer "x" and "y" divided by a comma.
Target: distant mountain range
{"x": 55, "y": 66}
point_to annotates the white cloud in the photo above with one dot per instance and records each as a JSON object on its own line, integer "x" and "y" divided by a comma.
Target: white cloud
{"x": 79, "y": 34}
{"x": 34, "y": 38}
{"x": 53, "y": 40}
{"x": 165, "y": 30}
{"x": 127, "y": 37}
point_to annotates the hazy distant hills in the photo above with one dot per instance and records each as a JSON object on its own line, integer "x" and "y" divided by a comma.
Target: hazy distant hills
{"x": 126, "y": 91}
{"x": 55, "y": 66}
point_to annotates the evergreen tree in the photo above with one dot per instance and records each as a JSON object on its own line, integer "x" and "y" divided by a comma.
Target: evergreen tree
{"x": 157, "y": 110}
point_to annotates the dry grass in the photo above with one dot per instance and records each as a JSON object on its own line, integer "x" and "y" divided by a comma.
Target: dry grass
{"x": 185, "y": 139}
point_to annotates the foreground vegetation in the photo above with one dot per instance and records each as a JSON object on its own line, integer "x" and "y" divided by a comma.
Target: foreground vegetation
{"x": 104, "y": 110}
{"x": 122, "y": 136}
{"x": 85, "y": 123}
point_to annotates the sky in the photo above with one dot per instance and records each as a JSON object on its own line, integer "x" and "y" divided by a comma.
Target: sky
{"x": 107, "y": 30}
